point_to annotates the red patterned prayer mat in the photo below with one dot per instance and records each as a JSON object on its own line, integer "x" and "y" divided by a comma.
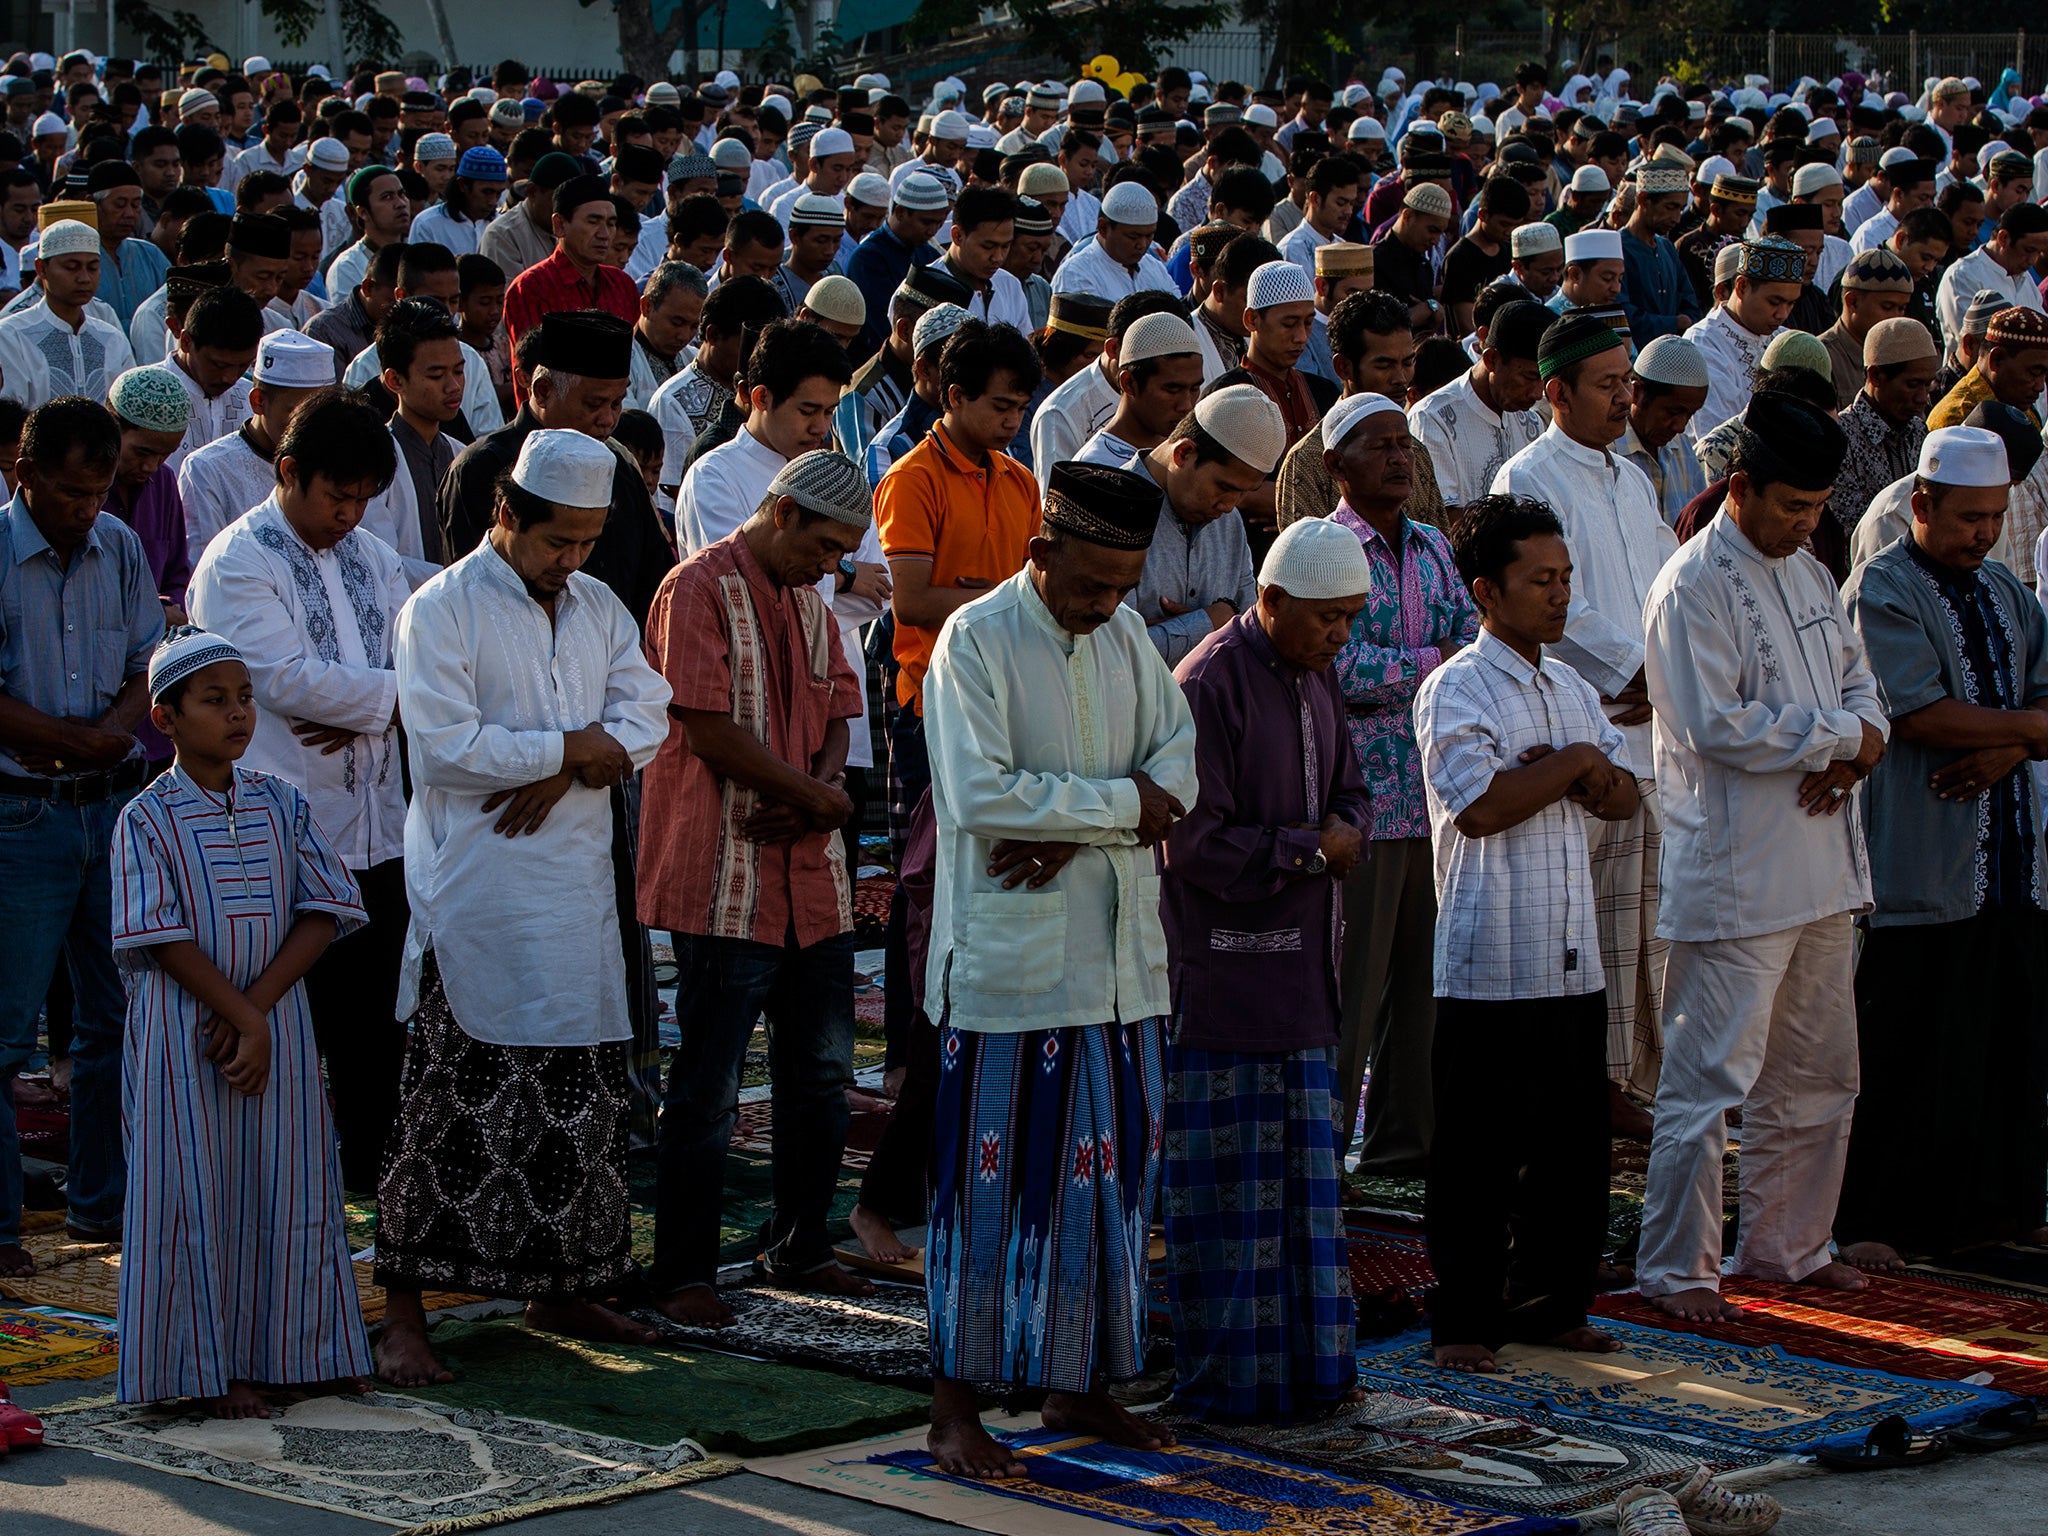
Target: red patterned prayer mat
{"x": 1903, "y": 1324}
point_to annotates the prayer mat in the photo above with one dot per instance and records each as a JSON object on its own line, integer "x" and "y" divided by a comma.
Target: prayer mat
{"x": 1905, "y": 1324}
{"x": 46, "y": 1346}
{"x": 44, "y": 1133}
{"x": 871, "y": 898}
{"x": 751, "y": 1407}
{"x": 749, "y": 1188}
{"x": 1201, "y": 1487}
{"x": 1532, "y": 1463}
{"x": 1754, "y": 1400}
{"x": 754, "y": 1129}
{"x": 426, "y": 1468}
{"x": 2004, "y": 1269}
{"x": 883, "y": 1337}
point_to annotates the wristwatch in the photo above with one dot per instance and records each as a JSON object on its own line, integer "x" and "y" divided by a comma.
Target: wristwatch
{"x": 847, "y": 573}
{"x": 1316, "y": 865}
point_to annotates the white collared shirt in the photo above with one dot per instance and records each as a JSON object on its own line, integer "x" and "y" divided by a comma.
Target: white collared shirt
{"x": 1467, "y": 441}
{"x": 1874, "y": 231}
{"x": 42, "y": 358}
{"x": 1091, "y": 270}
{"x": 218, "y": 483}
{"x": 1734, "y": 357}
{"x": 261, "y": 587}
{"x": 525, "y": 930}
{"x": 1069, "y": 416}
{"x": 213, "y": 416}
{"x": 1033, "y": 734}
{"x": 480, "y": 407}
{"x": 1962, "y": 282}
{"x": 436, "y": 225}
{"x": 721, "y": 490}
{"x": 1758, "y": 680}
{"x": 1619, "y": 542}
{"x": 1515, "y": 915}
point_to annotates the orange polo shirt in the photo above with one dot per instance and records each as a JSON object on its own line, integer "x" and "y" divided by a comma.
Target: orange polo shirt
{"x": 935, "y": 504}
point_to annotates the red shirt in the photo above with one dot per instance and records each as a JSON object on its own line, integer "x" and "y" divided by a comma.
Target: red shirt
{"x": 730, "y": 640}
{"x": 555, "y": 284}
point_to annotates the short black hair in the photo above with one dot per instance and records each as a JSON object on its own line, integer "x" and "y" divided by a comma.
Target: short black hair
{"x": 1371, "y": 312}
{"x": 1234, "y": 146}
{"x": 742, "y": 302}
{"x": 476, "y": 271}
{"x": 983, "y": 205}
{"x": 1504, "y": 194}
{"x": 692, "y": 218}
{"x": 2023, "y": 219}
{"x": 198, "y": 144}
{"x": 1484, "y": 537}
{"x": 382, "y": 272}
{"x": 148, "y": 140}
{"x": 1438, "y": 361}
{"x": 1241, "y": 258}
{"x": 1332, "y": 172}
{"x": 571, "y": 110}
{"x": 406, "y": 325}
{"x": 1928, "y": 224}
{"x": 336, "y": 433}
{"x": 192, "y": 203}
{"x": 1243, "y": 189}
{"x": 72, "y": 424}
{"x": 755, "y": 226}
{"x": 422, "y": 260}
{"x": 256, "y": 186}
{"x": 1494, "y": 297}
{"x": 13, "y": 416}
{"x": 977, "y": 352}
{"x": 1135, "y": 306}
{"x": 791, "y": 351}
{"x": 640, "y": 433}
{"x": 226, "y": 318}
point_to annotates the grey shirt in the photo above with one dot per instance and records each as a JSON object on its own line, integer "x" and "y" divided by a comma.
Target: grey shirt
{"x": 1194, "y": 565}
{"x": 1926, "y": 854}
{"x": 427, "y": 463}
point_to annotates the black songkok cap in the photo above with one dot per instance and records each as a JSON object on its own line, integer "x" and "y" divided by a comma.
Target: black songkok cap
{"x": 1793, "y": 216}
{"x": 2022, "y": 439}
{"x": 578, "y": 190}
{"x": 1101, "y": 505}
{"x": 586, "y": 342}
{"x": 261, "y": 234}
{"x": 1572, "y": 338}
{"x": 190, "y": 282}
{"x": 933, "y": 287}
{"x": 108, "y": 174}
{"x": 1792, "y": 441}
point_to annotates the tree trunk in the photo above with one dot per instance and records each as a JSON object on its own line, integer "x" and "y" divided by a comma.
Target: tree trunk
{"x": 644, "y": 50}
{"x": 438, "y": 12}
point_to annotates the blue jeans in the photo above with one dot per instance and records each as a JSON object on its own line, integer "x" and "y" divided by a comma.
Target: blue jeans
{"x": 723, "y": 987}
{"x": 56, "y": 903}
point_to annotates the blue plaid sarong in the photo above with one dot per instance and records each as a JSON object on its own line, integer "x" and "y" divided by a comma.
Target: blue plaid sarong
{"x": 1258, "y": 1270}
{"x": 1045, "y": 1168}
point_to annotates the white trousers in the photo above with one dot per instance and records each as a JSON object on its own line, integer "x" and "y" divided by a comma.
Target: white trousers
{"x": 1769, "y": 1024}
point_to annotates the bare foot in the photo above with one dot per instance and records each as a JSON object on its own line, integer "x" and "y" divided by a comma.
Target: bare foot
{"x": 1837, "y": 1276}
{"x": 1612, "y": 1277}
{"x": 1878, "y": 1256}
{"x": 1465, "y": 1357}
{"x": 892, "y": 1082}
{"x": 1630, "y": 1120}
{"x": 584, "y": 1319}
{"x": 1587, "y": 1341}
{"x": 403, "y": 1357}
{"x": 1700, "y": 1304}
{"x": 1100, "y": 1415}
{"x": 962, "y": 1447}
{"x": 879, "y": 1239}
{"x": 695, "y": 1306}
{"x": 832, "y": 1280}
{"x": 242, "y": 1401}
{"x": 16, "y": 1261}
{"x": 60, "y": 1077}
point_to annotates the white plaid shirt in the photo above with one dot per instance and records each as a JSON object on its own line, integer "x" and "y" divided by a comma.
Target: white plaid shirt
{"x": 1514, "y": 910}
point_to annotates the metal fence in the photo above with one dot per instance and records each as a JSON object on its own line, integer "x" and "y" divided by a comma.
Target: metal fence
{"x": 1901, "y": 61}
{"x": 1227, "y": 53}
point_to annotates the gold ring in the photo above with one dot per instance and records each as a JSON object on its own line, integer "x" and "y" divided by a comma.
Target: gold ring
{"x": 59, "y": 764}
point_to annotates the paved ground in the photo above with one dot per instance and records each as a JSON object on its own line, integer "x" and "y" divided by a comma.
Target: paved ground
{"x": 68, "y": 1493}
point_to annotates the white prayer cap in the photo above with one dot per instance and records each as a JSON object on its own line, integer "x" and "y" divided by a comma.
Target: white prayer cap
{"x": 1245, "y": 422}
{"x": 948, "y": 125}
{"x": 1259, "y": 115}
{"x": 1712, "y": 166}
{"x": 1151, "y": 336}
{"x": 1898, "y": 154}
{"x": 1369, "y": 129}
{"x": 981, "y": 136}
{"x": 255, "y": 64}
{"x": 838, "y": 298}
{"x": 1428, "y": 199}
{"x": 49, "y": 122}
{"x": 71, "y": 237}
{"x": 1823, "y": 128}
{"x": 1482, "y": 126}
{"x": 329, "y": 154}
{"x": 732, "y": 155}
{"x": 291, "y": 359}
{"x": 1593, "y": 245}
{"x": 1590, "y": 178}
{"x": 192, "y": 103}
{"x": 1278, "y": 282}
{"x": 1129, "y": 203}
{"x": 1085, "y": 91}
{"x": 433, "y": 146}
{"x": 188, "y": 648}
{"x": 870, "y": 190}
{"x": 566, "y": 468}
{"x": 1536, "y": 239}
{"x": 1809, "y": 179}
{"x": 726, "y": 80}
{"x": 831, "y": 485}
{"x": 1317, "y": 560}
{"x": 924, "y": 193}
{"x": 1964, "y": 456}
{"x": 831, "y": 141}
{"x": 1675, "y": 361}
{"x": 1728, "y": 264}
{"x": 1341, "y": 419}
{"x": 934, "y": 326}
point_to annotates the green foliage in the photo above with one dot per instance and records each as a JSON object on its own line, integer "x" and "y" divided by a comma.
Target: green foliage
{"x": 163, "y": 34}
{"x": 935, "y": 18}
{"x": 1128, "y": 30}
{"x": 366, "y": 32}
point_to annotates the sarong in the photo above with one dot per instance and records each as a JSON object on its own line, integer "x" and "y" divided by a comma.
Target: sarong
{"x": 1046, "y": 1161}
{"x": 507, "y": 1173}
{"x": 1258, "y": 1274}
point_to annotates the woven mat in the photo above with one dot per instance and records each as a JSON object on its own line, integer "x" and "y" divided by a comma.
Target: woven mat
{"x": 40, "y": 1346}
{"x": 1906, "y": 1324}
{"x": 883, "y": 1337}
{"x": 2005, "y": 1269}
{"x": 398, "y": 1461}
{"x": 1753, "y": 1400}
{"x": 1204, "y": 1486}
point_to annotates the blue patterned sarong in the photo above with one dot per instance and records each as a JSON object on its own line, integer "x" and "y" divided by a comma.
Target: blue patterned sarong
{"x": 1046, "y": 1163}
{"x": 1258, "y": 1271}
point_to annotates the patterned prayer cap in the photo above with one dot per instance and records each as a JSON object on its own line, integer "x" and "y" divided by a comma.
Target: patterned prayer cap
{"x": 2018, "y": 326}
{"x": 1878, "y": 270}
{"x": 934, "y": 326}
{"x": 1344, "y": 258}
{"x": 151, "y": 399}
{"x": 1739, "y": 190}
{"x": 1102, "y": 505}
{"x": 1078, "y": 314}
{"x": 1654, "y": 179}
{"x": 1773, "y": 261}
{"x": 1986, "y": 303}
{"x": 184, "y": 650}
{"x": 1675, "y": 361}
{"x": 827, "y": 483}
{"x": 1573, "y": 338}
{"x": 1797, "y": 349}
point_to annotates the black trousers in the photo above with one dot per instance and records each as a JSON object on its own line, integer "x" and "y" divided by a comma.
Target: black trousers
{"x": 1949, "y": 1146}
{"x": 353, "y": 991}
{"x": 1516, "y": 1206}
{"x": 897, "y": 1185}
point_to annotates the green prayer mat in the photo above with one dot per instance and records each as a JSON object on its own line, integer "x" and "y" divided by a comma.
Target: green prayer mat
{"x": 749, "y": 1196}
{"x": 659, "y": 1396}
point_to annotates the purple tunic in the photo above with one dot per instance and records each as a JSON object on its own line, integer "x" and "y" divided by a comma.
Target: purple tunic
{"x": 158, "y": 518}
{"x": 1251, "y": 935}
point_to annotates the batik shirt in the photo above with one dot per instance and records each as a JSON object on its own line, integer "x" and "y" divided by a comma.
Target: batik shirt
{"x": 1880, "y": 452}
{"x": 1418, "y": 608}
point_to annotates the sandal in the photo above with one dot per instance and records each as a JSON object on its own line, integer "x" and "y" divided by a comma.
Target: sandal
{"x": 1712, "y": 1510}
{"x": 2014, "y": 1424}
{"x": 1649, "y": 1512}
{"x": 1891, "y": 1442}
{"x": 19, "y": 1429}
